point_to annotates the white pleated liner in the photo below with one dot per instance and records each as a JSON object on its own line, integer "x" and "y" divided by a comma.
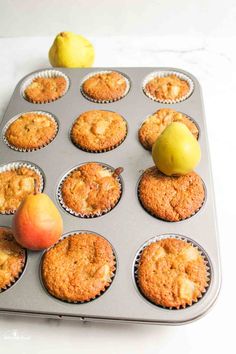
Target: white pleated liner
{"x": 98, "y": 151}
{"x": 50, "y": 116}
{"x": 68, "y": 234}
{"x": 46, "y": 74}
{"x": 164, "y": 73}
{"x": 190, "y": 118}
{"x": 104, "y": 72}
{"x": 102, "y": 150}
{"x": 11, "y": 166}
{"x": 178, "y": 237}
{"x": 71, "y": 211}
{"x": 8, "y": 286}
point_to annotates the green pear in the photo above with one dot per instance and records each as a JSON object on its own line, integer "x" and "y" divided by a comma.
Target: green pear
{"x": 176, "y": 151}
{"x": 70, "y": 50}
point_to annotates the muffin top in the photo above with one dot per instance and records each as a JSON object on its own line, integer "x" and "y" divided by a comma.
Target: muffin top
{"x": 44, "y": 89}
{"x": 109, "y": 86}
{"x": 15, "y": 185}
{"x": 98, "y": 130}
{"x": 79, "y": 267}
{"x": 155, "y": 124}
{"x": 91, "y": 189}
{"x": 172, "y": 273}
{"x": 171, "y": 198}
{"x": 12, "y": 258}
{"x": 31, "y": 130}
{"x": 169, "y": 87}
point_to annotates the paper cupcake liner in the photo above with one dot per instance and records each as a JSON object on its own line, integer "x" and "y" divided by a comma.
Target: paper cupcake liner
{"x": 189, "y": 241}
{"x": 101, "y": 150}
{"x": 106, "y": 287}
{"x": 89, "y": 215}
{"x": 104, "y": 72}
{"x": 165, "y": 73}
{"x": 150, "y": 115}
{"x": 11, "y": 166}
{"x": 50, "y": 116}
{"x": 23, "y": 265}
{"x": 159, "y": 218}
{"x": 14, "y": 281}
{"x": 45, "y": 74}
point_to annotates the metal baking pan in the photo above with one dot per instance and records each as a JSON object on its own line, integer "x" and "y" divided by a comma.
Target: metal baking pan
{"x": 128, "y": 226}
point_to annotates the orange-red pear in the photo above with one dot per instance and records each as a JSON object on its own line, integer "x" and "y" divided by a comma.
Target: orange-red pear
{"x": 37, "y": 224}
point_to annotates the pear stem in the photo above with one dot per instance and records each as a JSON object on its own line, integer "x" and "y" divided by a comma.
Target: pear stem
{"x": 118, "y": 171}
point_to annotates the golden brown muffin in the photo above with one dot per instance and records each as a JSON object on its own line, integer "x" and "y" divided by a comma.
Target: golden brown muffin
{"x": 110, "y": 86}
{"x": 12, "y": 258}
{"x": 31, "y": 131}
{"x": 45, "y": 89}
{"x": 171, "y": 198}
{"x": 172, "y": 273}
{"x": 91, "y": 190}
{"x": 78, "y": 268}
{"x": 168, "y": 87}
{"x": 98, "y": 130}
{"x": 15, "y": 185}
{"x": 155, "y": 124}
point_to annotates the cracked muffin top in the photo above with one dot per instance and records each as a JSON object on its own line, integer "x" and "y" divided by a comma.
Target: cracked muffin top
{"x": 169, "y": 87}
{"x": 172, "y": 273}
{"x": 91, "y": 189}
{"x": 45, "y": 89}
{"x": 155, "y": 124}
{"x": 79, "y": 267}
{"x": 99, "y": 130}
{"x": 15, "y": 185}
{"x": 109, "y": 86}
{"x": 31, "y": 131}
{"x": 12, "y": 258}
{"x": 171, "y": 198}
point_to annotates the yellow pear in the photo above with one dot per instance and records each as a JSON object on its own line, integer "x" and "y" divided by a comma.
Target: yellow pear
{"x": 70, "y": 50}
{"x": 176, "y": 151}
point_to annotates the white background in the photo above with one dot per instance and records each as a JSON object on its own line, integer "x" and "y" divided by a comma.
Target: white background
{"x": 118, "y": 17}
{"x": 199, "y": 36}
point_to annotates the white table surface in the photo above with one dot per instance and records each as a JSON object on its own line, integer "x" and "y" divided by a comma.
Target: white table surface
{"x": 211, "y": 60}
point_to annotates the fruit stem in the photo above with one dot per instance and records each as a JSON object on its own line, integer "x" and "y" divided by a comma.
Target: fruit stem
{"x": 118, "y": 171}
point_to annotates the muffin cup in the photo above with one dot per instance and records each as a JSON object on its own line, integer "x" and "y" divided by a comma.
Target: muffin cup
{"x": 104, "y": 101}
{"x": 45, "y": 74}
{"x": 50, "y": 116}
{"x": 164, "y": 73}
{"x": 89, "y": 215}
{"x": 14, "y": 166}
{"x": 98, "y": 151}
{"x": 159, "y": 218}
{"x": 101, "y": 150}
{"x": 13, "y": 281}
{"x": 23, "y": 265}
{"x": 150, "y": 115}
{"x": 178, "y": 237}
{"x": 105, "y": 287}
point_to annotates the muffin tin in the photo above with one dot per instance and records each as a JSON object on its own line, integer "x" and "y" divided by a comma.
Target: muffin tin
{"x": 127, "y": 226}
